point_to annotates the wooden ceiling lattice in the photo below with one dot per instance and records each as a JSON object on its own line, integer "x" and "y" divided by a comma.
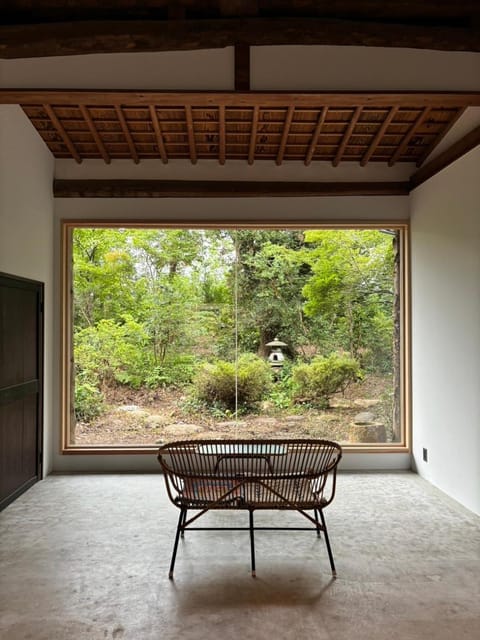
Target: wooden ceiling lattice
{"x": 270, "y": 128}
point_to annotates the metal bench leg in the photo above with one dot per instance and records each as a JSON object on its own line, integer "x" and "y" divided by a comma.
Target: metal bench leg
{"x": 184, "y": 519}
{"x": 252, "y": 543}
{"x": 318, "y": 522}
{"x": 181, "y": 520}
{"x": 327, "y": 542}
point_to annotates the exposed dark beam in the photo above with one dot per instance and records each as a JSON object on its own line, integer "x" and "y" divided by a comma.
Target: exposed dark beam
{"x": 220, "y": 189}
{"x": 456, "y": 151}
{"x": 242, "y": 67}
{"x": 408, "y": 99}
{"x": 115, "y": 36}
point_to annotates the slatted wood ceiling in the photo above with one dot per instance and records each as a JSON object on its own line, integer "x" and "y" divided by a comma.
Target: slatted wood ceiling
{"x": 336, "y": 131}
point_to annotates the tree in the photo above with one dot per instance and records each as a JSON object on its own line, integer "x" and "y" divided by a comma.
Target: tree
{"x": 350, "y": 293}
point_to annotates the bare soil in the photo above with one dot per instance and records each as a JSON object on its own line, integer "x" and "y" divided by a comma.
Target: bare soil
{"x": 152, "y": 417}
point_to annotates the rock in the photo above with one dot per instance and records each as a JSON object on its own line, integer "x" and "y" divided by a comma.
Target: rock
{"x": 128, "y": 407}
{"x": 295, "y": 418}
{"x": 366, "y": 403}
{"x": 373, "y": 432}
{"x": 156, "y": 421}
{"x": 364, "y": 417}
{"x": 181, "y": 430}
{"x": 231, "y": 424}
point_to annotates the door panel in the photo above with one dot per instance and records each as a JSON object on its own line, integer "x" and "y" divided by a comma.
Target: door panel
{"x": 21, "y": 368}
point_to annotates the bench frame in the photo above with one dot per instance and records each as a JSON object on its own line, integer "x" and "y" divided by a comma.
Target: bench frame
{"x": 204, "y": 475}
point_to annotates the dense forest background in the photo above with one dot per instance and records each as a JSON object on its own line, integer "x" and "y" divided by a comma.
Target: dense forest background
{"x": 195, "y": 309}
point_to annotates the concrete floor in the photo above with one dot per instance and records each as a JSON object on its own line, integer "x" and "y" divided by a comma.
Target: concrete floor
{"x": 86, "y": 557}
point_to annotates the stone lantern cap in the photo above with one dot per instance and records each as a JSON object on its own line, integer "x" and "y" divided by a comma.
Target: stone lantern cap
{"x": 276, "y": 343}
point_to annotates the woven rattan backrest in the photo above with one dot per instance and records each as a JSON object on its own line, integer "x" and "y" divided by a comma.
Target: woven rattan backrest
{"x": 229, "y": 459}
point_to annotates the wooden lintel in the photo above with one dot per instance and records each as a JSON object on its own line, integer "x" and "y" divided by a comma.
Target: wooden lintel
{"x": 200, "y": 99}
{"x": 118, "y": 36}
{"x": 242, "y": 67}
{"x": 456, "y": 151}
{"x": 221, "y": 189}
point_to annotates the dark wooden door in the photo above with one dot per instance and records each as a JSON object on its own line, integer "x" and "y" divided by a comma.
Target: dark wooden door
{"x": 21, "y": 385}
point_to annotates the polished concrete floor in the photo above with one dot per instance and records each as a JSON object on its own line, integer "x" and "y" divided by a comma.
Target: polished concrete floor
{"x": 86, "y": 557}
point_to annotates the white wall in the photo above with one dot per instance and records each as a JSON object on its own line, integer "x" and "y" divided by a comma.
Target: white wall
{"x": 26, "y": 226}
{"x": 445, "y": 218}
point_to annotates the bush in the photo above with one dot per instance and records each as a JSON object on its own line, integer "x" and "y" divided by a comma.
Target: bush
{"x": 175, "y": 371}
{"x": 215, "y": 383}
{"x": 318, "y": 381}
{"x": 89, "y": 401}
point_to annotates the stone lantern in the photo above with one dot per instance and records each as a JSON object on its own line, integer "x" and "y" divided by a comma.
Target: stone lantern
{"x": 276, "y": 357}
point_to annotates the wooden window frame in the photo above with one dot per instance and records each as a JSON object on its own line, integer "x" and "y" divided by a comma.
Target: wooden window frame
{"x": 66, "y": 413}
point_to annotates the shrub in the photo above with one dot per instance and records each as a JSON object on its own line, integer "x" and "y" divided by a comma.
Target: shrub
{"x": 89, "y": 401}
{"x": 175, "y": 371}
{"x": 318, "y": 381}
{"x": 215, "y": 383}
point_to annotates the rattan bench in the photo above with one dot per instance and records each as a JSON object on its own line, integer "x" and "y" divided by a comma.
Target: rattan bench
{"x": 250, "y": 475}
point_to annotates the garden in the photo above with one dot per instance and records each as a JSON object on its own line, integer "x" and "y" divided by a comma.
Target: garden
{"x": 191, "y": 333}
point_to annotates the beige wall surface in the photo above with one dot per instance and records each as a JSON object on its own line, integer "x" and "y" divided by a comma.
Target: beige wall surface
{"x": 26, "y": 227}
{"x": 446, "y": 329}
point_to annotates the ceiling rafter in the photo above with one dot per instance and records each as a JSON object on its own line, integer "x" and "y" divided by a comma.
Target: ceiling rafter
{"x": 98, "y": 140}
{"x": 305, "y": 127}
{"x": 63, "y": 134}
{"x": 127, "y": 134}
{"x": 158, "y": 134}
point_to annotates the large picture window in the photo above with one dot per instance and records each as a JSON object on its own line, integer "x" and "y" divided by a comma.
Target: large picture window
{"x": 185, "y": 333}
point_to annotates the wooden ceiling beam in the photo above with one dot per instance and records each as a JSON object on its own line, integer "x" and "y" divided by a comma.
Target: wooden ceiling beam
{"x": 253, "y": 134}
{"x": 347, "y": 136}
{"x": 456, "y": 151}
{"x": 93, "y": 130}
{"x": 158, "y": 133}
{"x": 126, "y": 133}
{"x": 221, "y": 135}
{"x": 242, "y": 67}
{"x": 379, "y": 135}
{"x": 314, "y": 141}
{"x": 440, "y": 136}
{"x": 409, "y": 135}
{"x": 211, "y": 99}
{"x": 61, "y": 131}
{"x": 118, "y": 36}
{"x": 286, "y": 131}
{"x": 191, "y": 134}
{"x": 220, "y": 189}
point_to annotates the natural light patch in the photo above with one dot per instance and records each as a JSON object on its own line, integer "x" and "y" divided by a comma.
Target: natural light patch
{"x": 258, "y": 333}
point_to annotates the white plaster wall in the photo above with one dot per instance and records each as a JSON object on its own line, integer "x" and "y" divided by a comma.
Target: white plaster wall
{"x": 445, "y": 218}
{"x": 26, "y": 227}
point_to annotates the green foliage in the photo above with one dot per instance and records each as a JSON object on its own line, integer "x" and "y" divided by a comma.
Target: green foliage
{"x": 316, "y": 382}
{"x": 349, "y": 296}
{"x": 215, "y": 384}
{"x": 175, "y": 371}
{"x": 112, "y": 352}
{"x": 89, "y": 401}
